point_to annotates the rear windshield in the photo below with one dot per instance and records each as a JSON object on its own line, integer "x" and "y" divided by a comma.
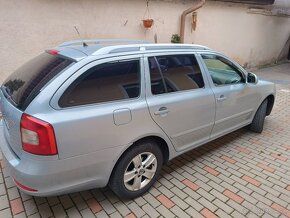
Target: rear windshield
{"x": 26, "y": 82}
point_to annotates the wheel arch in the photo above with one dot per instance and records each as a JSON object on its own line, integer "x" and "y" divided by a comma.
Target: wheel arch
{"x": 161, "y": 142}
{"x": 270, "y": 104}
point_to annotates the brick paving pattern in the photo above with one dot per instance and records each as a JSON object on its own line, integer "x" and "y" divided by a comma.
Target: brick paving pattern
{"x": 242, "y": 174}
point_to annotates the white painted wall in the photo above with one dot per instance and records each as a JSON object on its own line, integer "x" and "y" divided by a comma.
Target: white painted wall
{"x": 27, "y": 27}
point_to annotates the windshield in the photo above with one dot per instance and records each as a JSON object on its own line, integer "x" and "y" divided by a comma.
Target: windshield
{"x": 27, "y": 81}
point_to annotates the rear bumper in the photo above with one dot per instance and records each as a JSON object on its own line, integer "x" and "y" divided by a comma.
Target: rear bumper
{"x": 54, "y": 177}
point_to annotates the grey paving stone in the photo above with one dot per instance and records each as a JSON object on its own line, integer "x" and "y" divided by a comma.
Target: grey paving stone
{"x": 87, "y": 213}
{"x": 216, "y": 186}
{"x": 108, "y": 207}
{"x": 219, "y": 195}
{"x": 150, "y": 210}
{"x": 194, "y": 203}
{"x": 248, "y": 197}
{"x": 207, "y": 204}
{"x": 223, "y": 206}
{"x": 179, "y": 202}
{"x": 205, "y": 194}
{"x": 2, "y": 189}
{"x": 165, "y": 212}
{"x": 52, "y": 200}
{"x": 45, "y": 210}
{"x": 30, "y": 207}
{"x": 261, "y": 198}
{"x": 279, "y": 201}
{"x": 193, "y": 213}
{"x": 58, "y": 211}
{"x": 13, "y": 193}
{"x": 178, "y": 212}
{"x": 177, "y": 183}
{"x": 165, "y": 191}
{"x": 151, "y": 200}
{"x": 256, "y": 189}
{"x": 136, "y": 209}
{"x": 102, "y": 214}
{"x": 73, "y": 212}
{"x": 222, "y": 214}
{"x": 203, "y": 185}
{"x": 6, "y": 213}
{"x": 237, "y": 207}
{"x": 20, "y": 215}
{"x": 36, "y": 215}
{"x": 243, "y": 188}
{"x": 24, "y": 196}
{"x": 179, "y": 193}
{"x": 40, "y": 200}
{"x": 122, "y": 208}
{"x": 79, "y": 202}
{"x": 4, "y": 202}
{"x": 86, "y": 195}
{"x": 116, "y": 214}
{"x": 140, "y": 200}
{"x": 154, "y": 191}
{"x": 229, "y": 187}
{"x": 192, "y": 193}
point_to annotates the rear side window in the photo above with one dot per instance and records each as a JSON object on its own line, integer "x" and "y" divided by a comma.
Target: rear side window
{"x": 26, "y": 82}
{"x": 104, "y": 83}
{"x": 174, "y": 73}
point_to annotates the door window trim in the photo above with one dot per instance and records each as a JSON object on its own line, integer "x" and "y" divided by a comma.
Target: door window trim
{"x": 148, "y": 76}
{"x": 235, "y": 65}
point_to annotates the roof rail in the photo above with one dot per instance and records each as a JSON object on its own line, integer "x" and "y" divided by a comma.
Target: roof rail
{"x": 146, "y": 47}
{"x": 100, "y": 41}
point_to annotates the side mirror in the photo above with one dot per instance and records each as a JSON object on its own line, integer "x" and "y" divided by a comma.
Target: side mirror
{"x": 252, "y": 78}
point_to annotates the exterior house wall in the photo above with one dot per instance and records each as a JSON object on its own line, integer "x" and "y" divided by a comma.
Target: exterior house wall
{"x": 30, "y": 26}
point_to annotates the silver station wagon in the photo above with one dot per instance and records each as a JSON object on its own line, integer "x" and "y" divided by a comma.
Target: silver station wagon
{"x": 105, "y": 112}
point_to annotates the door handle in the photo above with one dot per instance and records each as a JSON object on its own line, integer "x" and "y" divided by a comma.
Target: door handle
{"x": 161, "y": 111}
{"x": 221, "y": 98}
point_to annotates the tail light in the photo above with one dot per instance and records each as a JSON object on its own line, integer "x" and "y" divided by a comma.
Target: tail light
{"x": 37, "y": 136}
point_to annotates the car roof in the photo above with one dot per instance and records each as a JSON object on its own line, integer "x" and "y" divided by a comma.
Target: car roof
{"x": 80, "y": 49}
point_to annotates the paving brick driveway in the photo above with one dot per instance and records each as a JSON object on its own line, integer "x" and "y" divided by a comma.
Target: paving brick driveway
{"x": 242, "y": 174}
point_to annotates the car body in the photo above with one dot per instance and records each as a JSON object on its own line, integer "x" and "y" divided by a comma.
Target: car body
{"x": 75, "y": 114}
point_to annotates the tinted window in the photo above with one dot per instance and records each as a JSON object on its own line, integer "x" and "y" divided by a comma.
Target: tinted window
{"x": 103, "y": 83}
{"x": 222, "y": 71}
{"x": 174, "y": 73}
{"x": 26, "y": 82}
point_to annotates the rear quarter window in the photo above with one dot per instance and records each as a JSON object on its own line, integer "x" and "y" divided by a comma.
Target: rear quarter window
{"x": 27, "y": 81}
{"x": 104, "y": 83}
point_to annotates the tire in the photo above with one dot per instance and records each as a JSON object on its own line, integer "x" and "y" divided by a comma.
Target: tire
{"x": 140, "y": 177}
{"x": 257, "y": 124}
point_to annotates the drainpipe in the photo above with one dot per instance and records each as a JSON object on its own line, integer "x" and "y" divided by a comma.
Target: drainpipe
{"x": 196, "y": 6}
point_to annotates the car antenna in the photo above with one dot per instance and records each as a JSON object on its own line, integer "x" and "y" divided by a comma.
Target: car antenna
{"x": 84, "y": 44}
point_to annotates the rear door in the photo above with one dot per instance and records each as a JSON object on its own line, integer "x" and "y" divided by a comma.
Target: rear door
{"x": 179, "y": 98}
{"x": 102, "y": 105}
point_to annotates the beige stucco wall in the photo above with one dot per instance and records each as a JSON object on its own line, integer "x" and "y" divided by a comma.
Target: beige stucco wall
{"x": 27, "y": 27}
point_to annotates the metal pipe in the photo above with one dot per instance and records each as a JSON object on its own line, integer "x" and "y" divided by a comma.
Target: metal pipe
{"x": 196, "y": 6}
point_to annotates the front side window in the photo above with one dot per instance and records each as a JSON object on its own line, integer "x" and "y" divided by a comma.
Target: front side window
{"x": 174, "y": 73}
{"x": 104, "y": 83}
{"x": 222, "y": 71}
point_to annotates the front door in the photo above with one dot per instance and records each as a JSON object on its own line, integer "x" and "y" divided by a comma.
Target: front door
{"x": 180, "y": 100}
{"x": 235, "y": 100}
